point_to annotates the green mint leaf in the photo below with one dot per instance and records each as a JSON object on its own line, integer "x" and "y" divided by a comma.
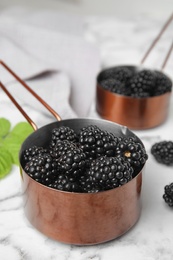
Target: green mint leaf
{"x": 12, "y": 143}
{"x": 4, "y": 127}
{"x": 22, "y": 130}
{"x": 5, "y": 162}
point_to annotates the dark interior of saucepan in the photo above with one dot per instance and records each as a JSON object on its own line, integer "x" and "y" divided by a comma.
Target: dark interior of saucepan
{"x": 42, "y": 136}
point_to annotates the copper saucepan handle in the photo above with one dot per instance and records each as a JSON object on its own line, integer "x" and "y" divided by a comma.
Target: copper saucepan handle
{"x": 165, "y": 26}
{"x": 30, "y": 121}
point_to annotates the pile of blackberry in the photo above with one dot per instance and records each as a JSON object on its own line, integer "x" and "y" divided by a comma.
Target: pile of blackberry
{"x": 163, "y": 152}
{"x": 128, "y": 81}
{"x": 168, "y": 194}
{"x": 92, "y": 160}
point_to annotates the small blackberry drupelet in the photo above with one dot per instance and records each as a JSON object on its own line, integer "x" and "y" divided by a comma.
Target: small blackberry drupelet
{"x": 96, "y": 142}
{"x": 168, "y": 194}
{"x": 62, "y": 133}
{"x": 42, "y": 168}
{"x": 132, "y": 151}
{"x": 163, "y": 152}
{"x": 109, "y": 172}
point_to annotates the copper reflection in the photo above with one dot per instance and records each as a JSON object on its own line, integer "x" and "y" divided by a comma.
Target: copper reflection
{"x": 82, "y": 218}
{"x": 135, "y": 113}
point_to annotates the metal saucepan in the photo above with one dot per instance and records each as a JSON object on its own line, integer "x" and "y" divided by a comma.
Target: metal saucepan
{"x": 71, "y": 217}
{"x": 136, "y": 113}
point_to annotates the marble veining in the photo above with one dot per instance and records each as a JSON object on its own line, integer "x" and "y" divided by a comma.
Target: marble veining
{"x": 119, "y": 41}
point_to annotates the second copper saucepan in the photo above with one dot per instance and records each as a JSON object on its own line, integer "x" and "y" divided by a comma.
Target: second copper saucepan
{"x": 71, "y": 217}
{"x": 134, "y": 111}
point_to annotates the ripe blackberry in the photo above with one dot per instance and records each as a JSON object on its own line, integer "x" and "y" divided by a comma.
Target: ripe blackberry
{"x": 65, "y": 183}
{"x": 87, "y": 185}
{"x": 96, "y": 142}
{"x": 163, "y": 84}
{"x": 73, "y": 162}
{"x": 29, "y": 153}
{"x": 61, "y": 148}
{"x": 122, "y": 74}
{"x": 142, "y": 83}
{"x": 109, "y": 172}
{"x": 115, "y": 86}
{"x": 42, "y": 168}
{"x": 132, "y": 151}
{"x": 163, "y": 152}
{"x": 62, "y": 133}
{"x": 168, "y": 194}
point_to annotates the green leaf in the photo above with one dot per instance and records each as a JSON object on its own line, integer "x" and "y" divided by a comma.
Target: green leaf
{"x": 22, "y": 130}
{"x": 4, "y": 127}
{"x": 5, "y": 162}
{"x": 12, "y": 143}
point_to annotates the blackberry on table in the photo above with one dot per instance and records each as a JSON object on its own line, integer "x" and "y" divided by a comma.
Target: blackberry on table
{"x": 142, "y": 82}
{"x": 62, "y": 133}
{"x": 42, "y": 168}
{"x": 96, "y": 142}
{"x": 132, "y": 151}
{"x": 168, "y": 194}
{"x": 163, "y": 152}
{"x": 109, "y": 172}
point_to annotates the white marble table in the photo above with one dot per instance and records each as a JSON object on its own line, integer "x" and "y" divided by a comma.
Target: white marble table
{"x": 121, "y": 41}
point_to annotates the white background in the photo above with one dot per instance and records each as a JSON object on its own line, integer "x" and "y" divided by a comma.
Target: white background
{"x": 161, "y": 8}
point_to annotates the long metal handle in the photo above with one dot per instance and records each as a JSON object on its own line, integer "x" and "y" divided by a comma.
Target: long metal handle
{"x": 157, "y": 38}
{"x": 34, "y": 126}
{"x": 55, "y": 114}
{"x": 167, "y": 56}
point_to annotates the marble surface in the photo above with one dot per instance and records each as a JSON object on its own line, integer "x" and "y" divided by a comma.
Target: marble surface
{"x": 120, "y": 41}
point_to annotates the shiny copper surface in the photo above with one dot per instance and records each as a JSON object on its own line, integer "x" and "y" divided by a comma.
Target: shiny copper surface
{"x": 79, "y": 218}
{"x": 135, "y": 113}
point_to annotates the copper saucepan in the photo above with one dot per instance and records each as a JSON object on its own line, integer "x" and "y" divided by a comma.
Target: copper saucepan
{"x": 70, "y": 217}
{"x": 136, "y": 113}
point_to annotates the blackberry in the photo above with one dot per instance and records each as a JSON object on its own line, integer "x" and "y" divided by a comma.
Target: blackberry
{"x": 168, "y": 194}
{"x": 61, "y": 148}
{"x": 29, "y": 153}
{"x": 132, "y": 151}
{"x": 142, "y": 83}
{"x": 163, "y": 152}
{"x": 42, "y": 168}
{"x": 96, "y": 142}
{"x": 62, "y": 133}
{"x": 109, "y": 172}
{"x": 163, "y": 84}
{"x": 122, "y": 74}
{"x": 73, "y": 162}
{"x": 115, "y": 86}
{"x": 87, "y": 185}
{"x": 65, "y": 183}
